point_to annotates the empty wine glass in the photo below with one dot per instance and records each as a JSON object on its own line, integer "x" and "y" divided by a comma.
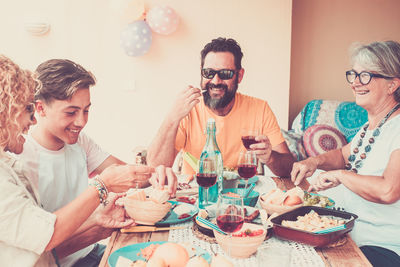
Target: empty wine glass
{"x": 207, "y": 176}
{"x": 247, "y": 165}
{"x": 249, "y": 137}
{"x": 230, "y": 214}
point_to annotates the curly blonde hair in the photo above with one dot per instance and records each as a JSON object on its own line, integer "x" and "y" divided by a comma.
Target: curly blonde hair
{"x": 17, "y": 89}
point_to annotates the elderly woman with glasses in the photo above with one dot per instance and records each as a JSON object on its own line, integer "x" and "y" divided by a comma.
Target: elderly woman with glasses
{"x": 368, "y": 168}
{"x": 29, "y": 235}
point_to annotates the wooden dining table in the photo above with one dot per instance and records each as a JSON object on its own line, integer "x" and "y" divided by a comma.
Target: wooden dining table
{"x": 344, "y": 255}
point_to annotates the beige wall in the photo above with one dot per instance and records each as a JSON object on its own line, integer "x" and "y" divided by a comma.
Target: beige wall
{"x": 322, "y": 32}
{"x": 133, "y": 95}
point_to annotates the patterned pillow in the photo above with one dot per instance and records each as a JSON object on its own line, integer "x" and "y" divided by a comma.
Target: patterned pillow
{"x": 293, "y": 140}
{"x": 345, "y": 116}
{"x": 321, "y": 138}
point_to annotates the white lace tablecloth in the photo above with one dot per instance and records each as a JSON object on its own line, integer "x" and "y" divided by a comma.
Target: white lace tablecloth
{"x": 302, "y": 255}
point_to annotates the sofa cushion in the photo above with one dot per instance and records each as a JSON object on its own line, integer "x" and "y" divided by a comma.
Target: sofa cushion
{"x": 295, "y": 144}
{"x": 321, "y": 138}
{"x": 345, "y": 116}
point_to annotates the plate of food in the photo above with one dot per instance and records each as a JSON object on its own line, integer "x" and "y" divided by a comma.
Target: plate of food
{"x": 180, "y": 212}
{"x": 312, "y": 225}
{"x": 154, "y": 208}
{"x": 160, "y": 253}
{"x": 186, "y": 199}
{"x": 314, "y": 199}
{"x": 252, "y": 215}
{"x": 278, "y": 201}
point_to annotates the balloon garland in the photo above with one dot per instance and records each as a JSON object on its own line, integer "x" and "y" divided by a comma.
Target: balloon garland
{"x": 136, "y": 38}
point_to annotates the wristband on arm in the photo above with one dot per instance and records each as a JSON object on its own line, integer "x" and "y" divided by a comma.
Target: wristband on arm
{"x": 101, "y": 188}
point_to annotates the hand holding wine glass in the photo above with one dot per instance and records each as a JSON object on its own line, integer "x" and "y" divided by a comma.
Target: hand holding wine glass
{"x": 249, "y": 137}
{"x": 207, "y": 176}
{"x": 230, "y": 214}
{"x": 247, "y": 165}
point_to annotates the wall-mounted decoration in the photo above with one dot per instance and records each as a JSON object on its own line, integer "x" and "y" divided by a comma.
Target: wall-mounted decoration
{"x": 37, "y": 27}
{"x": 162, "y": 19}
{"x": 136, "y": 38}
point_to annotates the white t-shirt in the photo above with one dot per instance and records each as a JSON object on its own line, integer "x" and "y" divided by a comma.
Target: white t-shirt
{"x": 377, "y": 224}
{"x": 62, "y": 175}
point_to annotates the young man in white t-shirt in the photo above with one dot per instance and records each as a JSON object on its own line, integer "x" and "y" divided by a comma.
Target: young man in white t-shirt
{"x": 60, "y": 158}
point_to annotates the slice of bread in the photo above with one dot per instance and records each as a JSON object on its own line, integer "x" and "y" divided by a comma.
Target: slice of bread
{"x": 159, "y": 196}
{"x": 138, "y": 195}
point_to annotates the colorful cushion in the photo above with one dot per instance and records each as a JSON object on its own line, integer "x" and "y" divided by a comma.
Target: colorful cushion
{"x": 321, "y": 138}
{"x": 295, "y": 144}
{"x": 345, "y": 116}
{"x": 349, "y": 117}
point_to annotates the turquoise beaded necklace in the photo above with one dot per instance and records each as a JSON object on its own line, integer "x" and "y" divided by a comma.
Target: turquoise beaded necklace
{"x": 354, "y": 164}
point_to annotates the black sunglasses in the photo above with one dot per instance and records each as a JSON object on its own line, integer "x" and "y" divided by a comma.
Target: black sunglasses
{"x": 224, "y": 74}
{"x": 364, "y": 76}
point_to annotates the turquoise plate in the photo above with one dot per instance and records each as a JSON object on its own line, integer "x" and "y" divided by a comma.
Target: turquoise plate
{"x": 131, "y": 252}
{"x": 172, "y": 217}
{"x": 252, "y": 180}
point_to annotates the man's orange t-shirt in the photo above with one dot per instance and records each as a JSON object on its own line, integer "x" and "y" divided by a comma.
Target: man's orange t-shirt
{"x": 248, "y": 113}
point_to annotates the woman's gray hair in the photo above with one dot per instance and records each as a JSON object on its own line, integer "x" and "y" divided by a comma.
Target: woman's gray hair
{"x": 380, "y": 57}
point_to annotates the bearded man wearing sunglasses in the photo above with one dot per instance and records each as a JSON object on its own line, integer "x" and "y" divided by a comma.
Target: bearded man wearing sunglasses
{"x": 184, "y": 126}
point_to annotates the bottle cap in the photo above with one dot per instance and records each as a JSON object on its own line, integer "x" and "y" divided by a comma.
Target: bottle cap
{"x": 210, "y": 120}
{"x": 211, "y": 124}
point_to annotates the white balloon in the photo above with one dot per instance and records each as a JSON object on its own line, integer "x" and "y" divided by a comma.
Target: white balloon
{"x": 162, "y": 20}
{"x": 136, "y": 38}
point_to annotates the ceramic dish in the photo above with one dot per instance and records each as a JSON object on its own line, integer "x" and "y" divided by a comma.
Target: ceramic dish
{"x": 309, "y": 238}
{"x": 279, "y": 209}
{"x": 146, "y": 212}
{"x": 211, "y": 217}
{"x": 241, "y": 247}
{"x": 172, "y": 218}
{"x": 252, "y": 180}
{"x": 251, "y": 200}
{"x": 132, "y": 251}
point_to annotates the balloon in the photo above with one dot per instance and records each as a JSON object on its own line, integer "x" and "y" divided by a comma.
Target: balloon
{"x": 162, "y": 19}
{"x": 136, "y": 38}
{"x": 127, "y": 10}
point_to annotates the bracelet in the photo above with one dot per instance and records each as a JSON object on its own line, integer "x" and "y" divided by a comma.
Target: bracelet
{"x": 102, "y": 190}
{"x": 102, "y": 183}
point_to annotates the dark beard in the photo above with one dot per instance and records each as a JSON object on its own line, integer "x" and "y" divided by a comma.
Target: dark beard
{"x": 225, "y": 100}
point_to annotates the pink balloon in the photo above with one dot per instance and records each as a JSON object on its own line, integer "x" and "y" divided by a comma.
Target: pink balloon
{"x": 162, "y": 20}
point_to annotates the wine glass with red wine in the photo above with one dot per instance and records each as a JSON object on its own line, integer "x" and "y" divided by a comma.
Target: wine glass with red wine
{"x": 248, "y": 137}
{"x": 230, "y": 214}
{"x": 207, "y": 176}
{"x": 247, "y": 165}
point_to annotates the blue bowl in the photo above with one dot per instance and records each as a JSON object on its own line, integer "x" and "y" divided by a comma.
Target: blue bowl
{"x": 251, "y": 200}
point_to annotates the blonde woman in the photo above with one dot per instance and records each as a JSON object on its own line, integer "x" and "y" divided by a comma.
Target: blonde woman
{"x": 29, "y": 234}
